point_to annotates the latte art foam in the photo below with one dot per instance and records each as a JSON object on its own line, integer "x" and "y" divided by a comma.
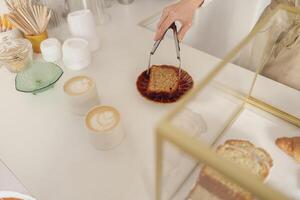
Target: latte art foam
{"x": 102, "y": 118}
{"x": 78, "y": 85}
{"x": 106, "y": 120}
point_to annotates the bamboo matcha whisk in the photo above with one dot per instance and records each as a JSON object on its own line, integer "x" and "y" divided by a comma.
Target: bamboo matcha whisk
{"x": 31, "y": 19}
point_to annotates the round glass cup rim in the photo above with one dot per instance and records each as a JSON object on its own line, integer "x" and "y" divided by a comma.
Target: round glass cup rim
{"x": 105, "y": 131}
{"x": 26, "y": 47}
{"x": 67, "y": 47}
{"x": 82, "y": 93}
{"x": 78, "y": 13}
{"x": 54, "y": 42}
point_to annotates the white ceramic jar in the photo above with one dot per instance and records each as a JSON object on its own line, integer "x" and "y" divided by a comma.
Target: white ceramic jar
{"x": 76, "y": 54}
{"x": 82, "y": 24}
{"x": 51, "y": 50}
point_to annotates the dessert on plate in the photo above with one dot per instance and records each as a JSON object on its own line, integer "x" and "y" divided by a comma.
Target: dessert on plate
{"x": 164, "y": 83}
{"x": 211, "y": 185}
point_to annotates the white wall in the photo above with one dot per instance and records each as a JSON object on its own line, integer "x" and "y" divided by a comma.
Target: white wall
{"x": 224, "y": 23}
{"x": 220, "y": 25}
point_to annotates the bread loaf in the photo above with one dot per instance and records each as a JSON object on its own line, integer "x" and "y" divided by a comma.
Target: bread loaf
{"x": 245, "y": 155}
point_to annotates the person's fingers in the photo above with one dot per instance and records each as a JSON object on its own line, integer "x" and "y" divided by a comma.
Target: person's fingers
{"x": 163, "y": 16}
{"x": 183, "y": 30}
{"x": 163, "y": 27}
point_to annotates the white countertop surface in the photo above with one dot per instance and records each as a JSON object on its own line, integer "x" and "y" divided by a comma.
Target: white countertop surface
{"x": 8, "y": 181}
{"x": 48, "y": 148}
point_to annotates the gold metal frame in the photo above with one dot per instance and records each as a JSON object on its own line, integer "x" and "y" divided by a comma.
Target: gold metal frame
{"x": 201, "y": 151}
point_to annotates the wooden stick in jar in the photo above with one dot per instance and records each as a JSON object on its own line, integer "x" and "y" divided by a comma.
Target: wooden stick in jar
{"x": 9, "y": 5}
{"x": 25, "y": 16}
{"x": 47, "y": 21}
{"x": 16, "y": 24}
{"x": 23, "y": 24}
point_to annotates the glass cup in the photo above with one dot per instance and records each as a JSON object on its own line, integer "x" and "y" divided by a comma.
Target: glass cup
{"x": 97, "y": 7}
{"x": 104, "y": 126}
{"x": 82, "y": 25}
{"x": 76, "y": 53}
{"x": 51, "y": 50}
{"x": 81, "y": 94}
{"x": 15, "y": 54}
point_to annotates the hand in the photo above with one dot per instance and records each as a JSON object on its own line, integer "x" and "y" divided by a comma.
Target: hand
{"x": 183, "y": 12}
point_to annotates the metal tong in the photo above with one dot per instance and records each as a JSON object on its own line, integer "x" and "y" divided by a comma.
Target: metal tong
{"x": 156, "y": 44}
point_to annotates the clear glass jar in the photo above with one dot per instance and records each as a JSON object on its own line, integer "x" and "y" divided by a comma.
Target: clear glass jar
{"x": 15, "y": 54}
{"x": 97, "y": 7}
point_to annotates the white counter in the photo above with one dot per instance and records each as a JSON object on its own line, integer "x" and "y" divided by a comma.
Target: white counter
{"x": 8, "y": 181}
{"x": 47, "y": 147}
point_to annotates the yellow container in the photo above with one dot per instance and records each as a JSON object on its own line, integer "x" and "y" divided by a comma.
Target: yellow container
{"x": 36, "y": 41}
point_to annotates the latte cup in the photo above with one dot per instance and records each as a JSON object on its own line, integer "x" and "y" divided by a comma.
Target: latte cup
{"x": 81, "y": 94}
{"x": 104, "y": 126}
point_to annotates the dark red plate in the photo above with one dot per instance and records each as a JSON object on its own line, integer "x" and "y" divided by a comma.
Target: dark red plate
{"x": 185, "y": 84}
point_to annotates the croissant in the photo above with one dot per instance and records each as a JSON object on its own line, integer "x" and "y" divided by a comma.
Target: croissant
{"x": 291, "y": 146}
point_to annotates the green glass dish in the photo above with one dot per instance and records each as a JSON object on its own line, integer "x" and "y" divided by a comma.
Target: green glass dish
{"x": 38, "y": 77}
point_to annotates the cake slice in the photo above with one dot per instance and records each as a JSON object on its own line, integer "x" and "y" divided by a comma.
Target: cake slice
{"x": 163, "y": 79}
{"x": 213, "y": 185}
{"x": 199, "y": 193}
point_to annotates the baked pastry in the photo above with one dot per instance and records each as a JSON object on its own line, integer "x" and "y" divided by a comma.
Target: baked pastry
{"x": 163, "y": 79}
{"x": 164, "y": 83}
{"x": 9, "y": 198}
{"x": 212, "y": 185}
{"x": 291, "y": 146}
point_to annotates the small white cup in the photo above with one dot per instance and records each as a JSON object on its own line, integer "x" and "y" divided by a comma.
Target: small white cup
{"x": 76, "y": 53}
{"x": 82, "y": 24}
{"x": 51, "y": 50}
{"x": 81, "y": 94}
{"x": 104, "y": 126}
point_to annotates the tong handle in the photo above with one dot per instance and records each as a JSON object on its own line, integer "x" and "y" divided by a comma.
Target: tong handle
{"x": 177, "y": 46}
{"x": 157, "y": 43}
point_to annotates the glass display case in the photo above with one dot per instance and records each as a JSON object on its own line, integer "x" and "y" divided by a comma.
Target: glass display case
{"x": 236, "y": 134}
